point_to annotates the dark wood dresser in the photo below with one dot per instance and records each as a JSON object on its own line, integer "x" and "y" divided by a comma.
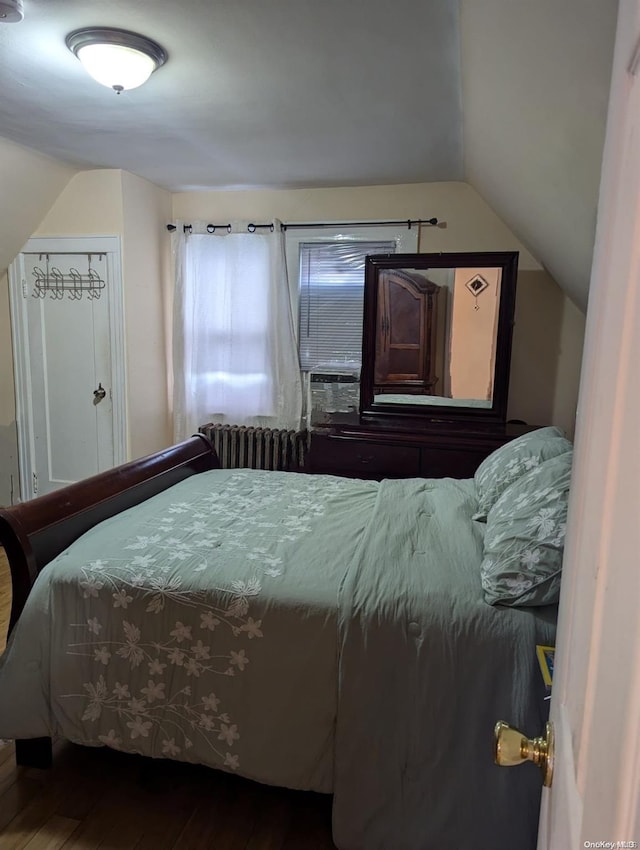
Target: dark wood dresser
{"x": 372, "y": 451}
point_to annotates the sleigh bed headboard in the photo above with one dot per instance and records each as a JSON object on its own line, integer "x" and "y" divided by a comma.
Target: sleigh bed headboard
{"x": 34, "y": 532}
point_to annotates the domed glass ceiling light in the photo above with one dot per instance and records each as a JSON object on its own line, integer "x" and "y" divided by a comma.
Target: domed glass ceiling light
{"x": 116, "y": 58}
{"x": 11, "y": 11}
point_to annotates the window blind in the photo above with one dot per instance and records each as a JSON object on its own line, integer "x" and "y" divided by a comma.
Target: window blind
{"x": 331, "y": 300}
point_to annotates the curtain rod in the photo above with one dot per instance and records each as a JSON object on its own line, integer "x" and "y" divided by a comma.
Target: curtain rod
{"x": 293, "y": 225}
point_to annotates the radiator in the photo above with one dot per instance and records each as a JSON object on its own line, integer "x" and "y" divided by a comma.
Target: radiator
{"x": 257, "y": 448}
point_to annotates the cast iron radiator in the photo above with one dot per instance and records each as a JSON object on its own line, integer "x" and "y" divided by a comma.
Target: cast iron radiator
{"x": 257, "y": 448}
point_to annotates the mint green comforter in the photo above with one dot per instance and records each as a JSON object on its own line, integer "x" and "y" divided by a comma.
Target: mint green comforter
{"x": 306, "y": 631}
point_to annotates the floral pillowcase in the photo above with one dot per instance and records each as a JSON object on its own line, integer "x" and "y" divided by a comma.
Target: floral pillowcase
{"x": 524, "y": 539}
{"x": 513, "y": 460}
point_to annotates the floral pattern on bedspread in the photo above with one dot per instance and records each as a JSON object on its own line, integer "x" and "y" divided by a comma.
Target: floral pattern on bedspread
{"x": 165, "y": 628}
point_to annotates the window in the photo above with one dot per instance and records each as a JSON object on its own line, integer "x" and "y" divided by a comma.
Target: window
{"x": 232, "y": 349}
{"x": 331, "y": 300}
{"x": 235, "y": 357}
{"x": 327, "y": 271}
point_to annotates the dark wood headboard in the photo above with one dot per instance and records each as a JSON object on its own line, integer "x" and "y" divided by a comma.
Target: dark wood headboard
{"x": 34, "y": 532}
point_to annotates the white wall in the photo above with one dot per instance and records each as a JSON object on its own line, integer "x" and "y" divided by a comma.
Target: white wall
{"x": 462, "y": 212}
{"x": 548, "y": 334}
{"x": 474, "y": 327}
{"x": 29, "y": 184}
{"x": 547, "y": 347}
{"x": 111, "y": 202}
{"x": 145, "y": 261}
{"x": 548, "y": 338}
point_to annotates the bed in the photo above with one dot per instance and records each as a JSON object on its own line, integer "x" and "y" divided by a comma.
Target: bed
{"x": 307, "y": 631}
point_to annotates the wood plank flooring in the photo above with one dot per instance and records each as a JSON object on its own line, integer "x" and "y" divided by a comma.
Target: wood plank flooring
{"x": 5, "y": 598}
{"x": 97, "y": 798}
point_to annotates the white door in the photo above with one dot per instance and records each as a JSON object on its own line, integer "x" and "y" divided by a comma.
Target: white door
{"x": 62, "y": 304}
{"x": 595, "y": 706}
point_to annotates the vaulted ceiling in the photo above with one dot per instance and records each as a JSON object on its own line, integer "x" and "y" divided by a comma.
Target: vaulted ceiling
{"x": 510, "y": 96}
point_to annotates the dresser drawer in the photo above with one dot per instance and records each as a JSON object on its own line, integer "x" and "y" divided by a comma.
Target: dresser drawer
{"x": 451, "y": 463}
{"x": 355, "y": 458}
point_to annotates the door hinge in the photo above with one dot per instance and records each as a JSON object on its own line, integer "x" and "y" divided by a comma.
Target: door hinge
{"x": 24, "y": 288}
{"x": 35, "y": 484}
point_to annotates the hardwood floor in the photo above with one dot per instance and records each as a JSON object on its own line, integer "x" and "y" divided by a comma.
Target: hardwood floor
{"x": 97, "y": 798}
{"x": 5, "y": 598}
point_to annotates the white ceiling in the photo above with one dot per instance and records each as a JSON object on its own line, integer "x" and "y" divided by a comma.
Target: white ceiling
{"x": 303, "y": 93}
{"x": 285, "y": 93}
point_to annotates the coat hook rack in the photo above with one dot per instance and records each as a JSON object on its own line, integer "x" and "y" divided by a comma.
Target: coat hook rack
{"x": 74, "y": 283}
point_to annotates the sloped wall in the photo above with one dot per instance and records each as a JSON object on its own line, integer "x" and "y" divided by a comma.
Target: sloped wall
{"x": 535, "y": 107}
{"x": 29, "y": 184}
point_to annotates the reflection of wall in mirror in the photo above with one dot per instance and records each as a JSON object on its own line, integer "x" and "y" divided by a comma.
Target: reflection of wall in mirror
{"x": 445, "y": 279}
{"x": 473, "y": 334}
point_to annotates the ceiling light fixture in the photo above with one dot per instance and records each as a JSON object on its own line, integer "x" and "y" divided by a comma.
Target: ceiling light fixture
{"x": 116, "y": 58}
{"x": 11, "y": 11}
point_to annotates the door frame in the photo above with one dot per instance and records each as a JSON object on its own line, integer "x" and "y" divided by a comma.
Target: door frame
{"x": 109, "y": 245}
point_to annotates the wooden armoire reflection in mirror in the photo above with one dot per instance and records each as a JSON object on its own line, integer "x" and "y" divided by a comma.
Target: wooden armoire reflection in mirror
{"x": 406, "y": 331}
{"x": 437, "y": 337}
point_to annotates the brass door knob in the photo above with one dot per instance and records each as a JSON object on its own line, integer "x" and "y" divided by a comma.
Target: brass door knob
{"x": 512, "y": 747}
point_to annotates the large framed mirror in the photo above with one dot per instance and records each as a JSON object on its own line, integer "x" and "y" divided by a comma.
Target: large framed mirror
{"x": 437, "y": 331}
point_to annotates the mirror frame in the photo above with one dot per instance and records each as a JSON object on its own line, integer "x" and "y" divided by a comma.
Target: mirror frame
{"x": 507, "y": 261}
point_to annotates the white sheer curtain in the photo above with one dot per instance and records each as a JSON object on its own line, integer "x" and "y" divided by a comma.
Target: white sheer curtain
{"x": 235, "y": 358}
